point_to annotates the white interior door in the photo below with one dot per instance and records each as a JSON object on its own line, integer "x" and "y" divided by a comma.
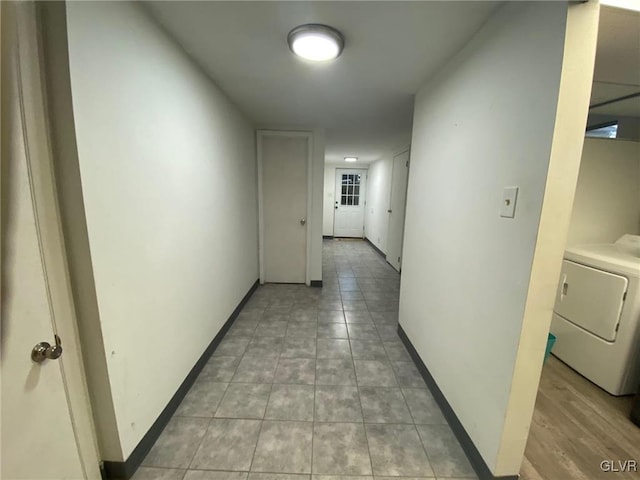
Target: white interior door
{"x": 284, "y": 173}
{"x": 397, "y": 207}
{"x": 44, "y": 423}
{"x": 348, "y": 220}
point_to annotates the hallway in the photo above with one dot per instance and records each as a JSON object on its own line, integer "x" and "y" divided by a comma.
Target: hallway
{"x": 145, "y": 206}
{"x": 312, "y": 381}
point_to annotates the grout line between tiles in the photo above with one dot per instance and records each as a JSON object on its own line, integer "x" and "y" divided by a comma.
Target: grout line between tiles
{"x": 197, "y": 449}
{"x": 364, "y": 428}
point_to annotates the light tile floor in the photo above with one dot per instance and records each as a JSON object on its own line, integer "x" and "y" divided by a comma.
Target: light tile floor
{"x": 312, "y": 381}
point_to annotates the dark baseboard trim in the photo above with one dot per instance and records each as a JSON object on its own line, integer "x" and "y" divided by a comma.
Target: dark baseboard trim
{"x": 316, "y": 283}
{"x": 125, "y": 470}
{"x": 477, "y": 462}
{"x": 380, "y": 252}
{"x": 327, "y": 237}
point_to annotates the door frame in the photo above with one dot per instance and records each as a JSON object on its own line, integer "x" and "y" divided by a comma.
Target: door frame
{"x": 402, "y": 151}
{"x": 364, "y": 197}
{"x": 37, "y": 139}
{"x": 260, "y": 134}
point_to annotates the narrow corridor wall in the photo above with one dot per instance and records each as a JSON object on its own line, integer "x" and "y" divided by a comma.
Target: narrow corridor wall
{"x": 376, "y": 217}
{"x": 328, "y": 199}
{"x": 317, "y": 203}
{"x": 168, "y": 172}
{"x": 485, "y": 122}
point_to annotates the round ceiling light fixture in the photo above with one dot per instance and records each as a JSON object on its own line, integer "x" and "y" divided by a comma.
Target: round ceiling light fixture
{"x": 316, "y": 42}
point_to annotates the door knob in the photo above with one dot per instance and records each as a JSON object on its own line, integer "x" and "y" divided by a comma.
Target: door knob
{"x": 303, "y": 221}
{"x": 388, "y": 211}
{"x": 44, "y": 350}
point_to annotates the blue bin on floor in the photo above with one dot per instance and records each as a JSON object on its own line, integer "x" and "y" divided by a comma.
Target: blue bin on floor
{"x": 550, "y": 341}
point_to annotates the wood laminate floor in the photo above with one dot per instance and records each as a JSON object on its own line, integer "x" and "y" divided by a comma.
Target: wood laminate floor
{"x": 576, "y": 425}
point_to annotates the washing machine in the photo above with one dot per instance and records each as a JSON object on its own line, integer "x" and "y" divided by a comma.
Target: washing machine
{"x": 596, "y": 317}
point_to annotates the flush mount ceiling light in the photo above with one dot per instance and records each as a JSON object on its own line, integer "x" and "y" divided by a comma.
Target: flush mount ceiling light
{"x": 316, "y": 42}
{"x": 350, "y": 159}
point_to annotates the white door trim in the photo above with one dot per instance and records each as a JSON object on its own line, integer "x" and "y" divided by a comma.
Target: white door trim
{"x": 49, "y": 229}
{"x": 284, "y": 133}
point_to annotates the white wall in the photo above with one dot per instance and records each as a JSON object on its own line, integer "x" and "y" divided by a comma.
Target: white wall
{"x": 329, "y": 199}
{"x": 376, "y": 217}
{"x": 169, "y": 183}
{"x": 581, "y": 37}
{"x": 466, "y": 270}
{"x": 317, "y": 205}
{"x": 607, "y": 202}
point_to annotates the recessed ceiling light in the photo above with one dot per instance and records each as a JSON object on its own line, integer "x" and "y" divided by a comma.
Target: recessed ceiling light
{"x": 316, "y": 42}
{"x": 350, "y": 159}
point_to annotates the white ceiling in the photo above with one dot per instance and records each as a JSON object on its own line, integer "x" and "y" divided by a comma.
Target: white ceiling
{"x": 364, "y": 99}
{"x": 617, "y": 69}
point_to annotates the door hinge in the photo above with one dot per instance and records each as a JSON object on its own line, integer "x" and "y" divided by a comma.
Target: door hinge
{"x": 624, "y": 296}
{"x": 617, "y": 327}
{"x": 398, "y": 259}
{"x": 407, "y": 164}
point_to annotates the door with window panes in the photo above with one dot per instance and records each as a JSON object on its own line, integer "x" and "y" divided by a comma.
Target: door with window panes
{"x": 349, "y": 203}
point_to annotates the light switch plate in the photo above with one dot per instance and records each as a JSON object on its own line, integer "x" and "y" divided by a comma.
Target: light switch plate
{"x": 509, "y": 198}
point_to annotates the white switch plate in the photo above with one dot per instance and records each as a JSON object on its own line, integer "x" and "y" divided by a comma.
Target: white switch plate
{"x": 509, "y": 198}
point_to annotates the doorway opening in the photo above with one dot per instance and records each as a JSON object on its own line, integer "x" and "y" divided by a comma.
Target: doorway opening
{"x": 583, "y": 418}
{"x": 397, "y": 208}
{"x": 350, "y": 201}
{"x": 284, "y": 159}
